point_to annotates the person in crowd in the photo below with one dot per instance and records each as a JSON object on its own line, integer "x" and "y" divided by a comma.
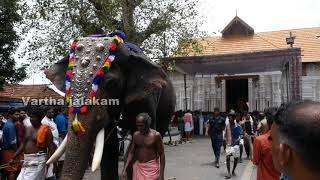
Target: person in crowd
{"x": 9, "y": 145}
{"x": 20, "y": 130}
{"x": 241, "y": 142}
{"x": 36, "y": 146}
{"x": 1, "y": 132}
{"x": 48, "y": 120}
{"x": 262, "y": 157}
{"x": 147, "y": 151}
{"x": 247, "y": 124}
{"x": 295, "y": 140}
{"x": 3, "y": 117}
{"x": 62, "y": 126}
{"x": 234, "y": 134}
{"x": 24, "y": 118}
{"x": 215, "y": 130}
{"x": 262, "y": 127}
{"x": 188, "y": 125}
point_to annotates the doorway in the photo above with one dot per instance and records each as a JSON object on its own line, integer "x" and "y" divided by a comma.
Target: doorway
{"x": 237, "y": 94}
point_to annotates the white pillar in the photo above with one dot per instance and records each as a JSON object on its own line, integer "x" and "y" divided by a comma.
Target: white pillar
{"x": 223, "y": 95}
{"x": 250, "y": 94}
{"x": 276, "y": 90}
{"x": 213, "y": 92}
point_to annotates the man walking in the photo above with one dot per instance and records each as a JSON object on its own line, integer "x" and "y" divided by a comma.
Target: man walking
{"x": 38, "y": 139}
{"x": 215, "y": 130}
{"x": 234, "y": 134}
{"x": 145, "y": 152}
{"x": 262, "y": 157}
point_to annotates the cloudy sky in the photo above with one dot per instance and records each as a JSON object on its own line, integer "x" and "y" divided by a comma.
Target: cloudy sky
{"x": 262, "y": 15}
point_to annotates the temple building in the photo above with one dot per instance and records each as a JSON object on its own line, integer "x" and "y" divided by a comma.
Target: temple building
{"x": 248, "y": 70}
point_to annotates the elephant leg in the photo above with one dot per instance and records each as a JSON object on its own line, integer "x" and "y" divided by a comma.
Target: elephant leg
{"x": 110, "y": 158}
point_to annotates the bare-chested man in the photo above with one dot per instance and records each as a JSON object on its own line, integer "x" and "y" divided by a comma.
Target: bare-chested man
{"x": 146, "y": 151}
{"x": 37, "y": 142}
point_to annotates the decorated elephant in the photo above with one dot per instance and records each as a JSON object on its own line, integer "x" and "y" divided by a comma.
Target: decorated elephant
{"x": 104, "y": 69}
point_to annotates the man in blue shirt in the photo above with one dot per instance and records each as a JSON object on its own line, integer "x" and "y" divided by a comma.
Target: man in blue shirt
{"x": 234, "y": 134}
{"x": 62, "y": 125}
{"x": 215, "y": 130}
{"x": 9, "y": 144}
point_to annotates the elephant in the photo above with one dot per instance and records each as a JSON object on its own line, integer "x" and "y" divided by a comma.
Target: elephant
{"x": 133, "y": 79}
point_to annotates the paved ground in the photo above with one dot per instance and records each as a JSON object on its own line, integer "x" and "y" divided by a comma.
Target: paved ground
{"x": 194, "y": 161}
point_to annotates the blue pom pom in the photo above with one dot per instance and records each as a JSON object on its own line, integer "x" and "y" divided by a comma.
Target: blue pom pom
{"x": 97, "y": 80}
{"x": 72, "y": 50}
{"x": 68, "y": 78}
{"x": 76, "y": 110}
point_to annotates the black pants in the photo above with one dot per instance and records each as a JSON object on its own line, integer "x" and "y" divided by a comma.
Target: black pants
{"x": 216, "y": 142}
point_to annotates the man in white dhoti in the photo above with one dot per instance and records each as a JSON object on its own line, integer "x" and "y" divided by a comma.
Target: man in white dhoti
{"x": 234, "y": 134}
{"x": 37, "y": 142}
{"x": 48, "y": 120}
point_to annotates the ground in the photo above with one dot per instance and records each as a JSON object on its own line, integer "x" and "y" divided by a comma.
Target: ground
{"x": 194, "y": 161}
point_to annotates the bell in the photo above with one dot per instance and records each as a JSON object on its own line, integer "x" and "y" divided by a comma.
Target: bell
{"x": 98, "y": 58}
{"x": 80, "y": 47}
{"x": 99, "y": 47}
{"x": 95, "y": 66}
{"x": 85, "y": 62}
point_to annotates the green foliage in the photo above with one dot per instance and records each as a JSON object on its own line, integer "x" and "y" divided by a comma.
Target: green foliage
{"x": 155, "y": 25}
{"x": 9, "y": 17}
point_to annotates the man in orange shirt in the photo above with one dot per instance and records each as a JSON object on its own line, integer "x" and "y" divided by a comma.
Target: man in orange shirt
{"x": 262, "y": 157}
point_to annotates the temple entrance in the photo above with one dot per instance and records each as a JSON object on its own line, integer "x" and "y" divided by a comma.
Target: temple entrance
{"x": 237, "y": 94}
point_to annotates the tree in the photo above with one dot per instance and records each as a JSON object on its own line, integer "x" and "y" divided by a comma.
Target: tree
{"x": 145, "y": 22}
{"x": 9, "y": 17}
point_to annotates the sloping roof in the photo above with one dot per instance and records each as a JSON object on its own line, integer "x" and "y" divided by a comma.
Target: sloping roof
{"x": 17, "y": 91}
{"x": 237, "y": 24}
{"x": 308, "y": 39}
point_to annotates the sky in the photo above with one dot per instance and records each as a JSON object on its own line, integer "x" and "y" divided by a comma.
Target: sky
{"x": 261, "y": 15}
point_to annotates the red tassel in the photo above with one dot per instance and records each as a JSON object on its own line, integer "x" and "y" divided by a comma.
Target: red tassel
{"x": 73, "y": 45}
{"x": 93, "y": 94}
{"x": 113, "y": 46}
{"x": 71, "y": 109}
{"x": 100, "y": 72}
{"x": 84, "y": 109}
{"x": 69, "y": 73}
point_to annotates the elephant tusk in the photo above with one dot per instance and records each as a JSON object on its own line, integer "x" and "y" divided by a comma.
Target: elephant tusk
{"x": 59, "y": 152}
{"x": 97, "y": 156}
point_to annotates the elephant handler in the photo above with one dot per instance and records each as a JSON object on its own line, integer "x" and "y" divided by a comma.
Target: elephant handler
{"x": 37, "y": 140}
{"x": 147, "y": 151}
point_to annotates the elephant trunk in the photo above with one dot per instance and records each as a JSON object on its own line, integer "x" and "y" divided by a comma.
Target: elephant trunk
{"x": 77, "y": 156}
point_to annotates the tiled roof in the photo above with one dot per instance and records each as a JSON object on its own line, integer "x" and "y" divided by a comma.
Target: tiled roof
{"x": 17, "y": 91}
{"x": 308, "y": 39}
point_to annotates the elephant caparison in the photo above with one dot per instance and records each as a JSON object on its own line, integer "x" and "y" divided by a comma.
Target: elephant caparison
{"x": 133, "y": 79}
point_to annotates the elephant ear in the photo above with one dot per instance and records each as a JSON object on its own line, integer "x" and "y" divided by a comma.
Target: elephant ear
{"x": 57, "y": 73}
{"x": 143, "y": 76}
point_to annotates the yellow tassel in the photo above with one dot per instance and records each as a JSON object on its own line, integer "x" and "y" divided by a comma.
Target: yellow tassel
{"x": 77, "y": 127}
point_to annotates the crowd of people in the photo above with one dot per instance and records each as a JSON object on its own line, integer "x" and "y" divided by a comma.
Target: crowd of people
{"x": 280, "y": 141}
{"x": 27, "y": 138}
